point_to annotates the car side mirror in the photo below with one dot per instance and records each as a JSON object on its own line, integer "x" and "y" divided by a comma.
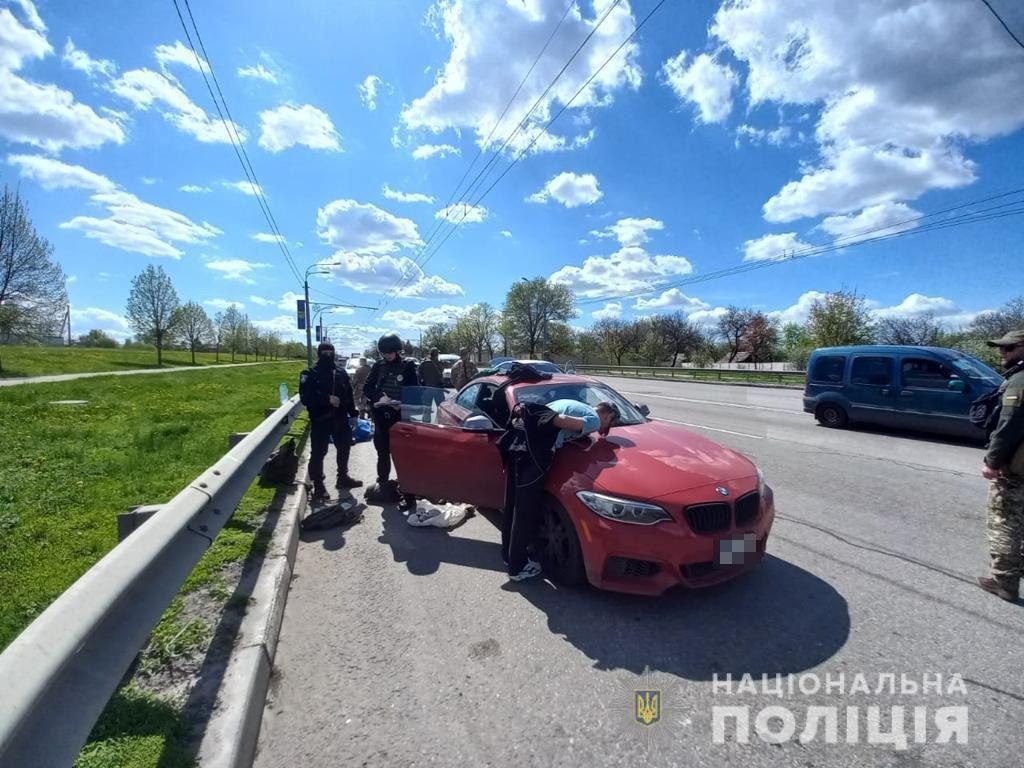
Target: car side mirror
{"x": 957, "y": 385}
{"x": 478, "y": 423}
{"x": 645, "y": 410}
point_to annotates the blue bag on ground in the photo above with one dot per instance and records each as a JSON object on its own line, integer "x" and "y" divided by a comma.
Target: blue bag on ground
{"x": 363, "y": 431}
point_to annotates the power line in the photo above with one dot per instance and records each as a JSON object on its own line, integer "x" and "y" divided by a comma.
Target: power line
{"x": 850, "y": 240}
{"x": 544, "y": 130}
{"x": 232, "y": 134}
{"x": 488, "y": 167}
{"x": 999, "y": 18}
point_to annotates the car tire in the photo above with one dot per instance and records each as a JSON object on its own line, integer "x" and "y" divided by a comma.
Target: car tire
{"x": 558, "y": 546}
{"x": 832, "y": 415}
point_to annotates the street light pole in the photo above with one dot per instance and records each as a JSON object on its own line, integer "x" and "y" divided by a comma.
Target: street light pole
{"x": 309, "y": 331}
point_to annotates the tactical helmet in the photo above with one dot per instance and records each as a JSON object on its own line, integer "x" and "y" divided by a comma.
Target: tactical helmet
{"x": 324, "y": 346}
{"x": 389, "y": 342}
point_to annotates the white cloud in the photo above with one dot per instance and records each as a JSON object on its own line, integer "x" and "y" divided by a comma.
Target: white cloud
{"x": 246, "y": 187}
{"x": 53, "y": 174}
{"x": 89, "y": 318}
{"x": 42, "y": 115}
{"x": 776, "y": 137}
{"x": 353, "y": 226}
{"x": 799, "y": 312}
{"x": 705, "y": 83}
{"x": 223, "y": 304}
{"x": 461, "y": 213}
{"x": 569, "y": 189}
{"x": 368, "y": 91}
{"x": 425, "y": 151}
{"x": 193, "y": 188}
{"x": 422, "y": 320}
{"x": 670, "y": 301}
{"x": 773, "y": 247}
{"x": 266, "y": 237}
{"x": 83, "y": 62}
{"x": 140, "y": 227}
{"x": 71, "y": 279}
{"x": 611, "y": 311}
{"x": 262, "y": 302}
{"x": 290, "y": 126}
{"x": 147, "y": 89}
{"x": 505, "y": 233}
{"x": 494, "y": 43}
{"x": 916, "y": 305}
{"x": 630, "y": 231}
{"x": 380, "y": 274}
{"x": 179, "y": 54}
{"x": 405, "y": 197}
{"x": 288, "y": 300}
{"x": 258, "y": 72}
{"x": 876, "y": 221}
{"x": 895, "y": 117}
{"x": 707, "y": 318}
{"x": 630, "y": 268}
{"x": 237, "y": 269}
{"x": 148, "y": 180}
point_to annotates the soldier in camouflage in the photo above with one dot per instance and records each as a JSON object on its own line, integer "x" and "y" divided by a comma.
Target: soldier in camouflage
{"x": 1004, "y": 467}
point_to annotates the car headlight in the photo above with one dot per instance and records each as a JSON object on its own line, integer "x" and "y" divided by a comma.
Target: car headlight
{"x": 623, "y": 510}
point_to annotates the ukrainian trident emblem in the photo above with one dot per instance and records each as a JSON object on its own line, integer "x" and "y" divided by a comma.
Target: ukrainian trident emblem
{"x": 647, "y": 706}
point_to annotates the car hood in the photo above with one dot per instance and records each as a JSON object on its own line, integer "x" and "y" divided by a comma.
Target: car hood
{"x": 650, "y": 460}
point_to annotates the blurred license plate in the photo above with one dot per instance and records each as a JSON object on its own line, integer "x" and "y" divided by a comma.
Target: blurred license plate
{"x": 736, "y": 550}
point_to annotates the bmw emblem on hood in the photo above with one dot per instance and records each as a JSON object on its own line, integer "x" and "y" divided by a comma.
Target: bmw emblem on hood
{"x": 722, "y": 491}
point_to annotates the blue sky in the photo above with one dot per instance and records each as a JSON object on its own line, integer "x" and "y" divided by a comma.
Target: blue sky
{"x": 722, "y": 134}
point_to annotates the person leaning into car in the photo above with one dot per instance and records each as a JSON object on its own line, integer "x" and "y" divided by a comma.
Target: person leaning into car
{"x": 1004, "y": 467}
{"x": 537, "y": 432}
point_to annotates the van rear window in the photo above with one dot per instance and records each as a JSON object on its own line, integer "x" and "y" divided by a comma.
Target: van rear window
{"x": 828, "y": 369}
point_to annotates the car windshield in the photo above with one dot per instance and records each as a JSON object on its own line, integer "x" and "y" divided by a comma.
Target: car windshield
{"x": 585, "y": 392}
{"x": 973, "y": 368}
{"x": 541, "y": 365}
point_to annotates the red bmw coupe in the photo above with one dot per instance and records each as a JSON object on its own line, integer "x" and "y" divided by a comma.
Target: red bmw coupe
{"x": 650, "y": 507}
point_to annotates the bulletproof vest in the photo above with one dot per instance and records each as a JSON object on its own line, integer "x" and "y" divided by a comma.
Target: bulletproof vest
{"x": 391, "y": 381}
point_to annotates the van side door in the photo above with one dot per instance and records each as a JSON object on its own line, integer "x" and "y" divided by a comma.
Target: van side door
{"x": 929, "y": 398}
{"x": 872, "y": 390}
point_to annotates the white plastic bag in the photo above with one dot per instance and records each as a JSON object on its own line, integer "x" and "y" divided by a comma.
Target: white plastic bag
{"x": 438, "y": 515}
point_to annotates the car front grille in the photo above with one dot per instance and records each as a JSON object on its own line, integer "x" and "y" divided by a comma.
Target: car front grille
{"x": 708, "y": 518}
{"x": 747, "y": 508}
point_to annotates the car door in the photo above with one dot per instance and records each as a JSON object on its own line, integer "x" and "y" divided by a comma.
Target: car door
{"x": 871, "y": 390}
{"x": 926, "y": 399}
{"x": 449, "y": 461}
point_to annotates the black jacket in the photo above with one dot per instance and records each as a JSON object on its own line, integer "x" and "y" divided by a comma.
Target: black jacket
{"x": 390, "y": 378}
{"x": 538, "y": 435}
{"x": 317, "y": 384}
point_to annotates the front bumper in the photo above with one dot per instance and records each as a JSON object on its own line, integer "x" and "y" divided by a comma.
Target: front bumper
{"x": 648, "y": 560}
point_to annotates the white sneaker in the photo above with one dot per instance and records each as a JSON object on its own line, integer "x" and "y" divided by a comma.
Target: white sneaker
{"x": 530, "y": 570}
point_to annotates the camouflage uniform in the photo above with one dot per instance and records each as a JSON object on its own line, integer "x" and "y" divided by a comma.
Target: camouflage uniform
{"x": 1006, "y": 492}
{"x": 463, "y": 372}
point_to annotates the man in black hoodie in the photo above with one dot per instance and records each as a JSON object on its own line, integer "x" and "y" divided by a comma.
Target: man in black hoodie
{"x": 388, "y": 377}
{"x": 326, "y": 391}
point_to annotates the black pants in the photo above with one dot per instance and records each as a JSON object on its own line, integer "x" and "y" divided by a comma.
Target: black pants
{"x": 382, "y": 424}
{"x": 524, "y": 510}
{"x": 320, "y": 434}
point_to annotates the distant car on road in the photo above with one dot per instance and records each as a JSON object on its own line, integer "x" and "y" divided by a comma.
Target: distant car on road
{"x": 929, "y": 389}
{"x": 447, "y": 361}
{"x": 651, "y": 507}
{"x": 505, "y": 364}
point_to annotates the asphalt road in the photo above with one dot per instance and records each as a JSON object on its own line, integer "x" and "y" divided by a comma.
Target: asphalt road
{"x": 405, "y": 646}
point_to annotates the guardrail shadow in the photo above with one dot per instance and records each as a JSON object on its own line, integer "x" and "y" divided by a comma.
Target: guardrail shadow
{"x": 778, "y": 618}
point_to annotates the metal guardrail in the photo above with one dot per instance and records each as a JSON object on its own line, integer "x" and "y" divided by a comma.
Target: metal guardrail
{"x": 60, "y": 672}
{"x": 793, "y": 378}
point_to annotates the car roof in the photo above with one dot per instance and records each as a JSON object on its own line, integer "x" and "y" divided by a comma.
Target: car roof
{"x": 559, "y": 378}
{"x": 882, "y": 348}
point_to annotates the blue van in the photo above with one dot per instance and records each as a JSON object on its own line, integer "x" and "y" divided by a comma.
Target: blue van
{"x": 929, "y": 389}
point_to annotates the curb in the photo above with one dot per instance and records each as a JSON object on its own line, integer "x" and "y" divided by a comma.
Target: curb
{"x": 234, "y": 727}
{"x": 681, "y": 380}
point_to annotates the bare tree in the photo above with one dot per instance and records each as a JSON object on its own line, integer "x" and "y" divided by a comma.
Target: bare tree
{"x": 992, "y": 325}
{"x": 617, "y": 337}
{"x": 761, "y": 337}
{"x": 481, "y": 323}
{"x": 532, "y": 304}
{"x": 678, "y": 334}
{"x": 733, "y": 326}
{"x": 229, "y": 327}
{"x": 920, "y": 331}
{"x": 152, "y": 304}
{"x": 33, "y": 292}
{"x": 193, "y": 327}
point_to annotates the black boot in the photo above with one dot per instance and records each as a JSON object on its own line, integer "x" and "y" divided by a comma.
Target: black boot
{"x": 345, "y": 481}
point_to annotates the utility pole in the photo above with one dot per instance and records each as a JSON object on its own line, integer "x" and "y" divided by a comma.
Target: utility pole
{"x": 319, "y": 269}
{"x": 309, "y": 331}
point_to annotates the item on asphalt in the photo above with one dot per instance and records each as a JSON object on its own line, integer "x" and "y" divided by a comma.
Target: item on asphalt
{"x": 439, "y": 516}
{"x": 331, "y": 516}
{"x": 282, "y": 465}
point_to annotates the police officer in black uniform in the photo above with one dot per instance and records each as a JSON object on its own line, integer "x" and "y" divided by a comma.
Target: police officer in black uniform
{"x": 387, "y": 378}
{"x": 326, "y": 391}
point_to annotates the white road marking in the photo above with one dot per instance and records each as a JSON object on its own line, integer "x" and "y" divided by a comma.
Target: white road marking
{"x": 722, "y": 403}
{"x": 713, "y": 429}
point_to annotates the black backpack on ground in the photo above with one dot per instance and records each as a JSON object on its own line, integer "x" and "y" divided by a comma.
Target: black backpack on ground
{"x": 281, "y": 467}
{"x": 339, "y": 513}
{"x": 984, "y": 412}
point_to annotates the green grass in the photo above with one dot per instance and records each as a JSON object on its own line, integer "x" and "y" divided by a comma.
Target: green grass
{"x": 19, "y": 361}
{"x": 66, "y": 471}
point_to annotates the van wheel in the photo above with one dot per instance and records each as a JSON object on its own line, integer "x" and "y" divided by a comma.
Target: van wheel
{"x": 558, "y": 546}
{"x": 831, "y": 415}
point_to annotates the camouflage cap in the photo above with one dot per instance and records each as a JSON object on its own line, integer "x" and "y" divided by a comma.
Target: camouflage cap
{"x": 1011, "y": 339}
